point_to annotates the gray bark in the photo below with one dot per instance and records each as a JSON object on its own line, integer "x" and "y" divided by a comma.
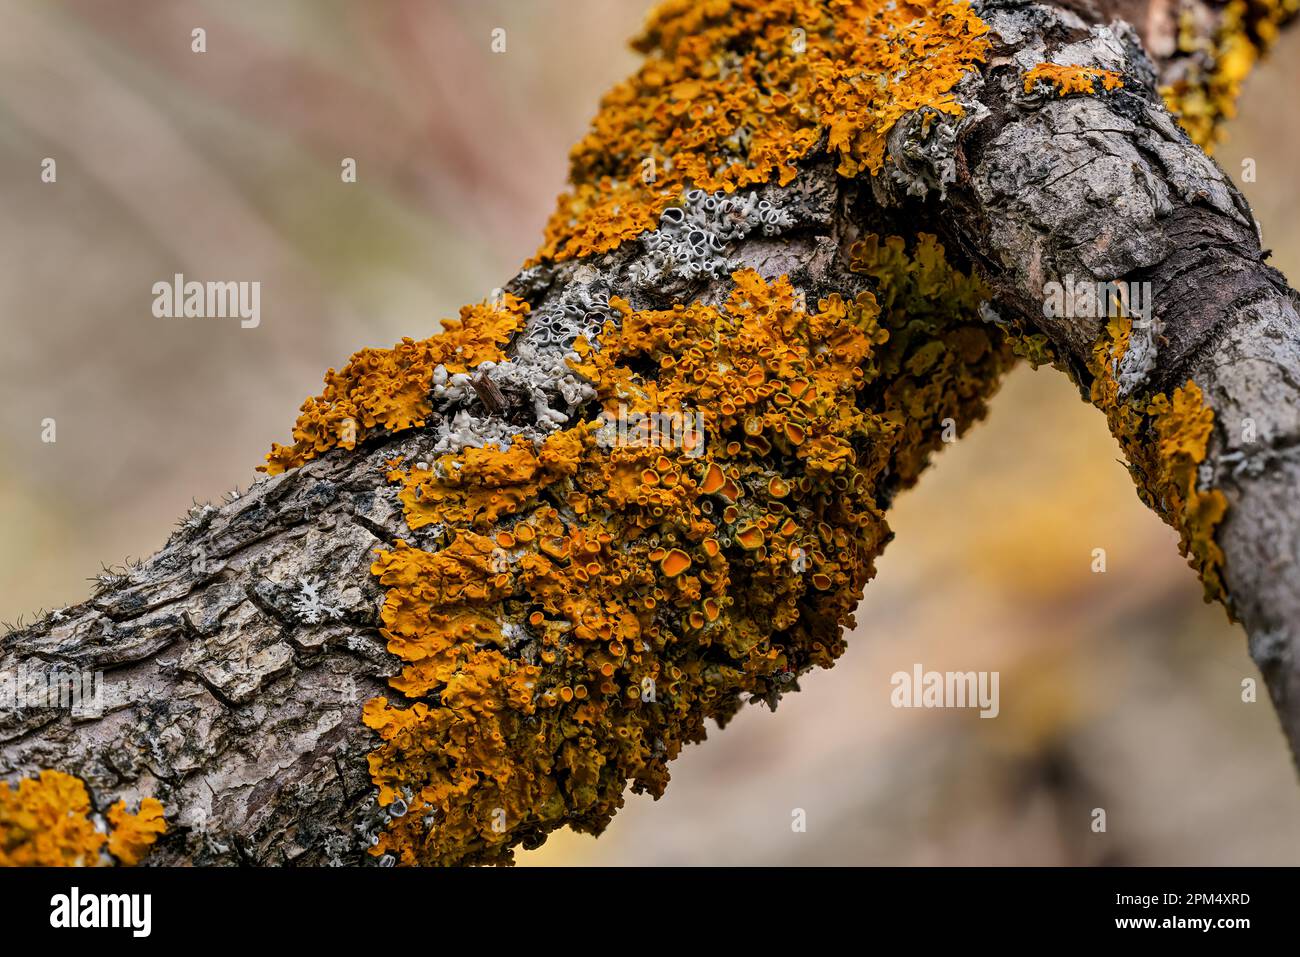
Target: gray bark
{"x": 236, "y": 660}
{"x": 1108, "y": 188}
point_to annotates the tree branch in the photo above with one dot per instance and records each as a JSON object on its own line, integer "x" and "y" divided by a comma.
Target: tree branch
{"x": 523, "y": 687}
{"x": 1109, "y": 189}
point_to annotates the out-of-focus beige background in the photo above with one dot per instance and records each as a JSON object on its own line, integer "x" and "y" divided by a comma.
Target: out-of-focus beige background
{"x": 1119, "y": 691}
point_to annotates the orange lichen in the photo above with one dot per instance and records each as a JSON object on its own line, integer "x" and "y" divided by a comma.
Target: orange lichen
{"x": 1183, "y": 424}
{"x": 387, "y": 390}
{"x": 1072, "y": 79}
{"x": 735, "y": 92}
{"x": 675, "y": 562}
{"x": 1166, "y": 438}
{"x": 134, "y": 834}
{"x": 591, "y": 603}
{"x": 479, "y": 486}
{"x": 1209, "y": 70}
{"x": 578, "y": 629}
{"x": 46, "y": 822}
{"x": 942, "y": 359}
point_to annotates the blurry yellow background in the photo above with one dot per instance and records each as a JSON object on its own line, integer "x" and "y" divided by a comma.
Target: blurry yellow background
{"x": 1119, "y": 691}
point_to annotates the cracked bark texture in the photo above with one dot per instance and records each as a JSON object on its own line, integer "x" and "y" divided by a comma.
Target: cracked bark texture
{"x": 1111, "y": 189}
{"x": 238, "y": 706}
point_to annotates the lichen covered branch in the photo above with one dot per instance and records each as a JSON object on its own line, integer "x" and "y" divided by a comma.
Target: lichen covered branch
{"x": 1095, "y": 186}
{"x": 504, "y": 572}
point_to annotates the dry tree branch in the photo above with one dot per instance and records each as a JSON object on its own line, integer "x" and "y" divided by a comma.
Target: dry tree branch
{"x": 503, "y": 572}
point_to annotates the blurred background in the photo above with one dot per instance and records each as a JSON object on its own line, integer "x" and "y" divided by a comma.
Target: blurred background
{"x": 1119, "y": 691}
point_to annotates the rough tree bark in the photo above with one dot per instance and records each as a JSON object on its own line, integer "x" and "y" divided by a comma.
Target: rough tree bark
{"x": 237, "y": 659}
{"x": 1101, "y": 189}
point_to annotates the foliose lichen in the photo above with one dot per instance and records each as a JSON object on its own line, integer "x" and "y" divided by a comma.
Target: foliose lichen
{"x": 1166, "y": 438}
{"x": 48, "y": 821}
{"x": 388, "y": 390}
{"x": 734, "y": 92}
{"x": 1072, "y": 79}
{"x": 692, "y": 239}
{"x": 1208, "y": 71}
{"x": 597, "y": 596}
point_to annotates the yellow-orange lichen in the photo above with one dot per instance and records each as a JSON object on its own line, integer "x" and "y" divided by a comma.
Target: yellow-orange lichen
{"x": 134, "y": 834}
{"x": 387, "y": 390}
{"x": 577, "y": 630}
{"x": 734, "y": 92}
{"x": 1210, "y": 70}
{"x": 941, "y": 358}
{"x": 1072, "y": 79}
{"x": 1165, "y": 438}
{"x": 46, "y": 822}
{"x": 592, "y": 603}
{"x": 479, "y": 486}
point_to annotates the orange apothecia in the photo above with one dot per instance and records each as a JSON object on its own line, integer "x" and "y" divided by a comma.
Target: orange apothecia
{"x": 591, "y": 605}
